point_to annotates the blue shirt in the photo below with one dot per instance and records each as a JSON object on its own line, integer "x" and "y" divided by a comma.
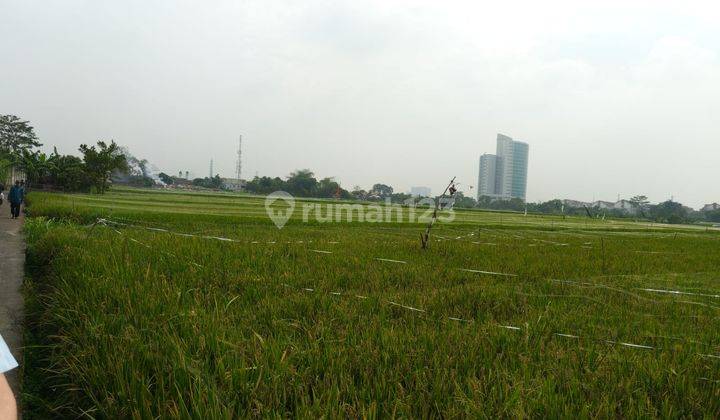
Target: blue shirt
{"x": 16, "y": 194}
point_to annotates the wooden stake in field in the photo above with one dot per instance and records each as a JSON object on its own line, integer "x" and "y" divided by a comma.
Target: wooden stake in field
{"x": 424, "y": 236}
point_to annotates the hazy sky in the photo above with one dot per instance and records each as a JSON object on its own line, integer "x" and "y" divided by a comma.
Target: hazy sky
{"x": 613, "y": 97}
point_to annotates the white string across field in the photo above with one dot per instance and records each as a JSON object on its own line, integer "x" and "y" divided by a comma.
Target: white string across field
{"x": 504, "y": 326}
{"x": 391, "y": 261}
{"x": 105, "y": 222}
{"x": 677, "y": 292}
{"x": 491, "y": 273}
{"x": 585, "y": 245}
{"x": 413, "y": 308}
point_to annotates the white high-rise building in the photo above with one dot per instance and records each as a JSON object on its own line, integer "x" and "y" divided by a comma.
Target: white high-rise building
{"x": 504, "y": 175}
{"x": 486, "y": 178}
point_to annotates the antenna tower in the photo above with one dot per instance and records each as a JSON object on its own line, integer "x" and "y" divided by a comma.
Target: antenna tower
{"x": 238, "y": 165}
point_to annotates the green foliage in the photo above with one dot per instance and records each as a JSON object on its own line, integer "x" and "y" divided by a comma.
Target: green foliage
{"x": 514, "y": 204}
{"x": 101, "y": 161}
{"x": 38, "y": 167}
{"x": 140, "y": 181}
{"x": 5, "y": 168}
{"x": 126, "y": 322}
{"x": 464, "y": 202}
{"x": 401, "y": 198}
{"x": 17, "y": 139}
{"x": 669, "y": 212}
{"x": 213, "y": 183}
{"x": 301, "y": 183}
{"x": 548, "y": 207}
{"x": 266, "y": 185}
{"x": 69, "y": 173}
{"x": 640, "y": 200}
{"x": 135, "y": 173}
{"x": 16, "y": 135}
{"x": 381, "y": 190}
{"x": 358, "y": 193}
{"x": 327, "y": 187}
{"x": 713, "y": 215}
{"x": 167, "y": 179}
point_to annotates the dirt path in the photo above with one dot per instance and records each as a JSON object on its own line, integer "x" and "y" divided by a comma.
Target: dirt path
{"x": 12, "y": 266}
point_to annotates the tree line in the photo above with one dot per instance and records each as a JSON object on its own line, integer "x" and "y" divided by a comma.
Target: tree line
{"x": 668, "y": 211}
{"x": 91, "y": 171}
{"x": 302, "y": 183}
{"x": 214, "y": 182}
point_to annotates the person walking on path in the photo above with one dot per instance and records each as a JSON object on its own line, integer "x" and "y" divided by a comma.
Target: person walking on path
{"x": 16, "y": 197}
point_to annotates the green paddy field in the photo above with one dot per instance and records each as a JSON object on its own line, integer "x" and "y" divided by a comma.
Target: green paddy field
{"x": 148, "y": 304}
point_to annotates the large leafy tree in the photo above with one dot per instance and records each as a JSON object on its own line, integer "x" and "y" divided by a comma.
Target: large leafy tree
{"x": 669, "y": 212}
{"x": 464, "y": 202}
{"x": 327, "y": 187}
{"x": 713, "y": 215}
{"x": 37, "y": 166}
{"x": 640, "y": 201}
{"x": 69, "y": 173}
{"x": 265, "y": 185}
{"x": 382, "y": 190}
{"x": 302, "y": 183}
{"x": 167, "y": 179}
{"x": 101, "y": 162}
{"x": 214, "y": 182}
{"x": 16, "y": 135}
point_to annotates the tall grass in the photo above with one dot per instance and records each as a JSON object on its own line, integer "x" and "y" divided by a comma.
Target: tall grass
{"x": 128, "y": 322}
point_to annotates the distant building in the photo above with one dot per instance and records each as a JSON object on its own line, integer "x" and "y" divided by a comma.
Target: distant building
{"x": 626, "y": 206}
{"x": 233, "y": 184}
{"x": 504, "y": 175}
{"x": 181, "y": 181}
{"x": 710, "y": 207}
{"x": 487, "y": 176}
{"x": 420, "y": 191}
{"x": 604, "y": 205}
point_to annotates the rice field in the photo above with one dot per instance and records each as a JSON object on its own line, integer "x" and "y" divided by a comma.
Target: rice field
{"x": 146, "y": 304}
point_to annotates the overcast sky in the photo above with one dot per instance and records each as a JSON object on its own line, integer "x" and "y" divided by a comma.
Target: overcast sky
{"x": 613, "y": 97}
